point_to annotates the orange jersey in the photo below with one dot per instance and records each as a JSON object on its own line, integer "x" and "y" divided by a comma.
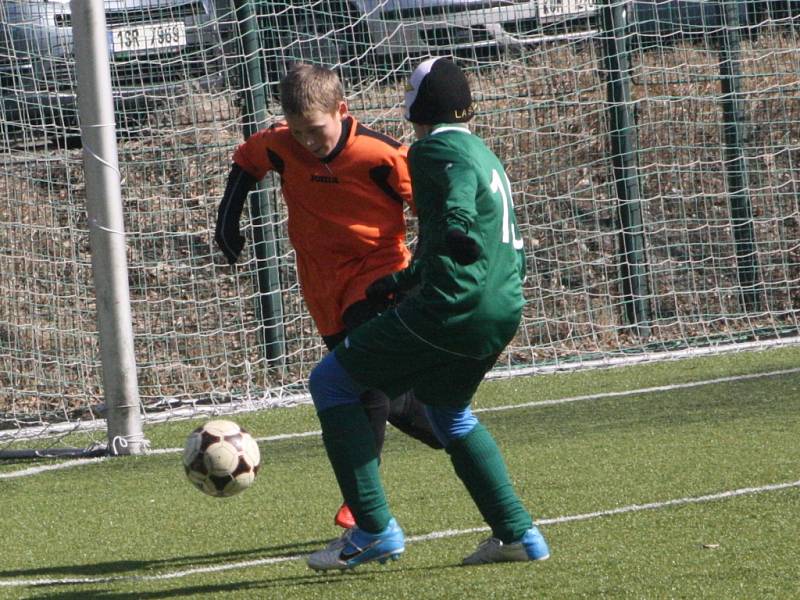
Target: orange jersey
{"x": 346, "y": 220}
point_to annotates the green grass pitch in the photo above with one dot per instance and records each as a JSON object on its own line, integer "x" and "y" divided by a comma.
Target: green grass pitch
{"x": 678, "y": 479}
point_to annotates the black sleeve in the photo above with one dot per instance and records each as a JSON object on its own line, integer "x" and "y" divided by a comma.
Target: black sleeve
{"x": 380, "y": 177}
{"x": 227, "y": 235}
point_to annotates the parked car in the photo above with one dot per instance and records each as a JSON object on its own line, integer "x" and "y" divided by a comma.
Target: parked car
{"x": 364, "y": 35}
{"x": 156, "y": 48}
{"x": 657, "y": 21}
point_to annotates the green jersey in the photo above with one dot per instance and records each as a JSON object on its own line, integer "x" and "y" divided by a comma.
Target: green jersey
{"x": 472, "y": 310}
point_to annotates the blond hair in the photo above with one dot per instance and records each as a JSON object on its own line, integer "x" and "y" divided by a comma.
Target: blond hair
{"x": 306, "y": 88}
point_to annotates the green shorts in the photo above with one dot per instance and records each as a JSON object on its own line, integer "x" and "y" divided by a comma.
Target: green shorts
{"x": 384, "y": 354}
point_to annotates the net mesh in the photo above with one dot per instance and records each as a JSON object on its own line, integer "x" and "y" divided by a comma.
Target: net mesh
{"x": 183, "y": 90}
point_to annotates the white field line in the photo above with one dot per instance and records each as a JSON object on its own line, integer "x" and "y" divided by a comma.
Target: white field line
{"x": 79, "y": 462}
{"x": 436, "y": 535}
{"x": 646, "y": 357}
{"x": 649, "y": 390}
{"x": 538, "y": 403}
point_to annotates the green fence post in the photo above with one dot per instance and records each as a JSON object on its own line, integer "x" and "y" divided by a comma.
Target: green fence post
{"x": 735, "y": 164}
{"x": 616, "y": 67}
{"x": 269, "y": 307}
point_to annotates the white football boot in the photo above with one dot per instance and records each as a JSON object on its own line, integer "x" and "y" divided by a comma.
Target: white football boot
{"x": 531, "y": 546}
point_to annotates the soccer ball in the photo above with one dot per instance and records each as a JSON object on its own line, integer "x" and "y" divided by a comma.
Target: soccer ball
{"x": 221, "y": 459}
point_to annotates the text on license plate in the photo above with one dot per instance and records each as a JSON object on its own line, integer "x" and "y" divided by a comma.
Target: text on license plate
{"x": 560, "y": 8}
{"x": 134, "y": 38}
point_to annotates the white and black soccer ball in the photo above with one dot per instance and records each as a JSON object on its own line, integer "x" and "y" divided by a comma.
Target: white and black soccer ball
{"x": 221, "y": 459}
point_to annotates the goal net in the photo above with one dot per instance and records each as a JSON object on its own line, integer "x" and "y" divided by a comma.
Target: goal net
{"x": 696, "y": 248}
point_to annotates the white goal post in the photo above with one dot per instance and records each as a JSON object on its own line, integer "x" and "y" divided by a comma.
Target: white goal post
{"x": 106, "y": 228}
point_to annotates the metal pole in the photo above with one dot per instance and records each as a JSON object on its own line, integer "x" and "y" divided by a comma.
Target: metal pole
{"x": 633, "y": 265}
{"x": 735, "y": 164}
{"x": 106, "y": 228}
{"x": 269, "y": 307}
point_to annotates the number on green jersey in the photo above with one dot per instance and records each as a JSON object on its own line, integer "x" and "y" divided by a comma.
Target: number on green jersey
{"x": 502, "y": 185}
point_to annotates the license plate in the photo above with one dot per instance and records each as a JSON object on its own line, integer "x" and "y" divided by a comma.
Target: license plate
{"x": 553, "y": 9}
{"x": 137, "y": 38}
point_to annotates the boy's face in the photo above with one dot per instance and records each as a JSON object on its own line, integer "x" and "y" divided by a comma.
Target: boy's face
{"x": 318, "y": 131}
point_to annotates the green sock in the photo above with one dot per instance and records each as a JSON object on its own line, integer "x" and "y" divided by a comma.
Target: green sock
{"x": 479, "y": 464}
{"x": 350, "y": 444}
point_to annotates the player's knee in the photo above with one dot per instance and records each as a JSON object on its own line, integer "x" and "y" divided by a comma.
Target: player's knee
{"x": 317, "y": 382}
{"x": 330, "y": 385}
{"x": 450, "y": 424}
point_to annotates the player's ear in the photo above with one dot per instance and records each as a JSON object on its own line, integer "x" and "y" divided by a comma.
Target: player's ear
{"x": 342, "y": 109}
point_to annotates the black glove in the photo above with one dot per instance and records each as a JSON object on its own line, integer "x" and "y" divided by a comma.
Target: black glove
{"x": 231, "y": 244}
{"x": 461, "y": 248}
{"x": 227, "y": 234}
{"x": 381, "y": 290}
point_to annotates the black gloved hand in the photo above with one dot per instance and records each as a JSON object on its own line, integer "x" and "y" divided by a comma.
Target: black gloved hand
{"x": 227, "y": 234}
{"x": 381, "y": 290}
{"x": 231, "y": 242}
{"x": 461, "y": 248}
